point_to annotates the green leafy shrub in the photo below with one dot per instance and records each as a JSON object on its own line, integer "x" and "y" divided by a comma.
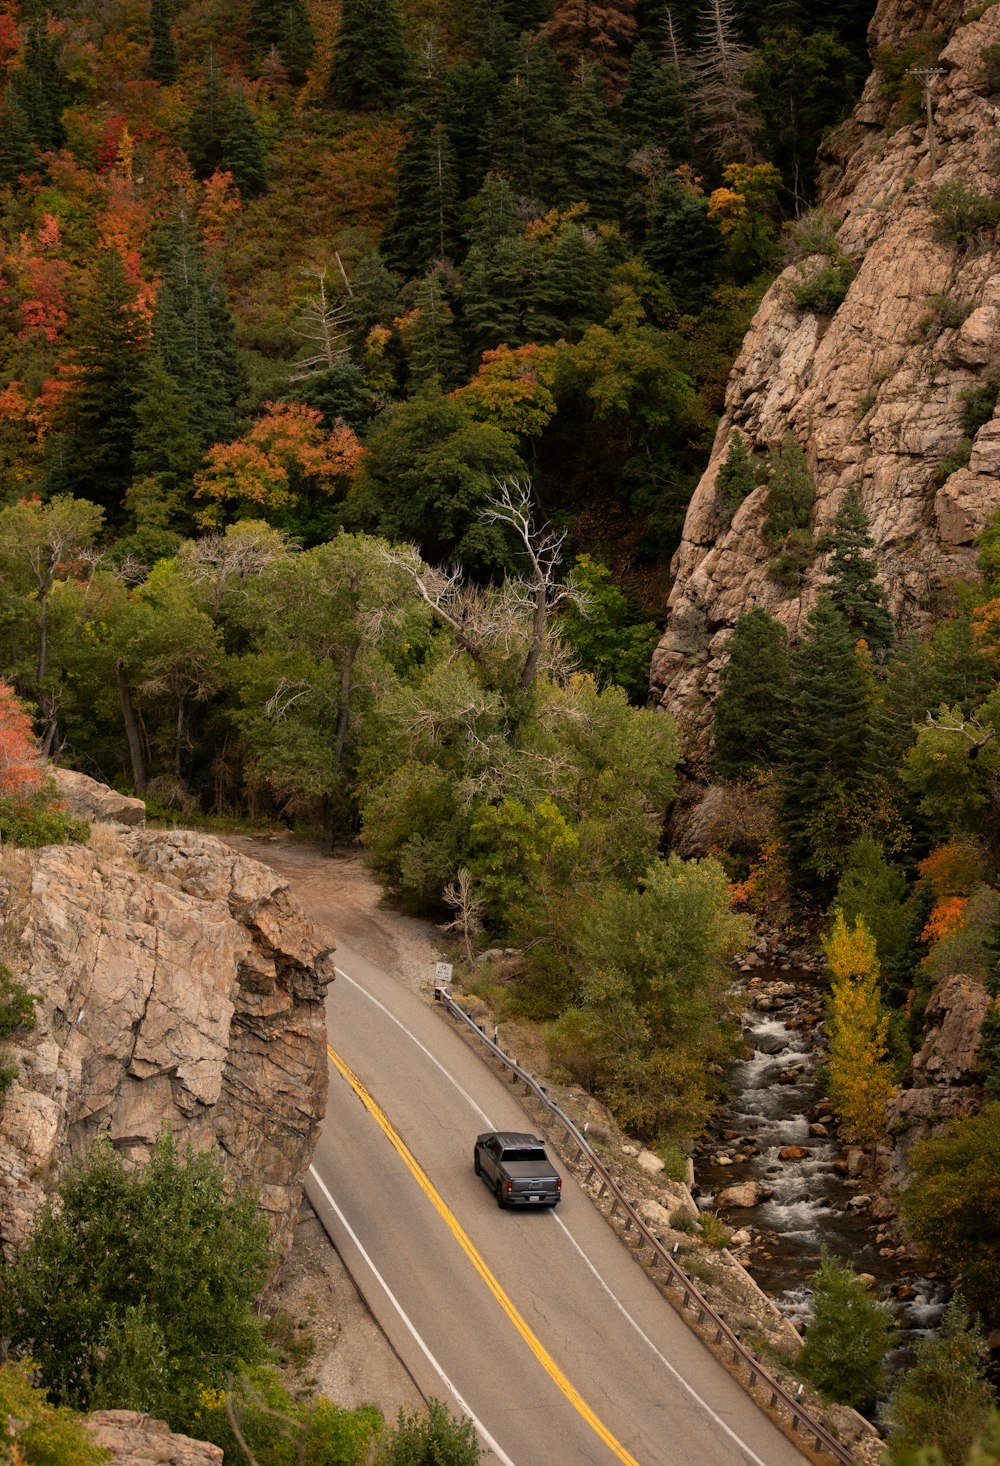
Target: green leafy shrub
{"x": 952, "y": 1206}
{"x": 41, "y": 1434}
{"x": 944, "y": 1399}
{"x": 980, "y": 403}
{"x": 138, "y": 1286}
{"x": 789, "y": 565}
{"x": 990, "y": 57}
{"x": 823, "y": 289}
{"x": 431, "y": 1438}
{"x": 814, "y": 234}
{"x": 281, "y": 1430}
{"x": 962, "y": 213}
{"x": 848, "y": 1338}
{"x": 32, "y": 820}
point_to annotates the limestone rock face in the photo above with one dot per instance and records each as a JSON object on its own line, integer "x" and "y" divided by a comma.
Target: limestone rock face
{"x": 876, "y": 394}
{"x": 181, "y": 986}
{"x": 136, "y": 1440}
{"x": 944, "y": 1081}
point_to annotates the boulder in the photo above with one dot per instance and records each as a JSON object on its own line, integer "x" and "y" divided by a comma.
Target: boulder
{"x": 793, "y": 1153}
{"x": 86, "y": 799}
{"x": 746, "y": 1193}
{"x": 136, "y": 1440}
{"x": 650, "y": 1163}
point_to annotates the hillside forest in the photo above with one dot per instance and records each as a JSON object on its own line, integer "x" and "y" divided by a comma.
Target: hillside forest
{"x": 357, "y": 363}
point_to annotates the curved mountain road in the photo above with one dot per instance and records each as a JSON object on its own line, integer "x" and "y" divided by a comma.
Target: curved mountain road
{"x": 537, "y": 1324}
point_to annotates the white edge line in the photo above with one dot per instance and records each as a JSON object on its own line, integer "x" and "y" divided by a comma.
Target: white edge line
{"x": 749, "y": 1453}
{"x": 494, "y": 1445}
{"x": 413, "y": 1039}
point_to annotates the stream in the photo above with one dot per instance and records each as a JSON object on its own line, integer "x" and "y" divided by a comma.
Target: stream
{"x": 807, "y": 1203}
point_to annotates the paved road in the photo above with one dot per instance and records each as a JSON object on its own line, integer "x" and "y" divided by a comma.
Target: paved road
{"x": 537, "y": 1324}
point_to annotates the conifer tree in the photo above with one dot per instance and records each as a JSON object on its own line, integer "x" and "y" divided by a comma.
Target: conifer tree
{"x": 684, "y": 243}
{"x": 282, "y": 25}
{"x": 598, "y": 31}
{"x": 18, "y": 154}
{"x": 162, "y": 64}
{"x": 370, "y": 61}
{"x": 222, "y": 133}
{"x": 424, "y": 224}
{"x": 374, "y": 297}
{"x": 98, "y": 419}
{"x": 654, "y": 107}
{"x": 469, "y": 111}
{"x": 40, "y": 88}
{"x": 737, "y": 478}
{"x": 530, "y": 127}
{"x": 593, "y": 156}
{"x": 753, "y": 691}
{"x": 854, "y": 590}
{"x": 432, "y": 347}
{"x": 194, "y": 333}
{"x": 826, "y": 750}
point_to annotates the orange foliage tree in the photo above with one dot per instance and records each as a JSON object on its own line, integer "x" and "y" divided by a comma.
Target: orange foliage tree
{"x": 513, "y": 389}
{"x": 285, "y": 459}
{"x": 20, "y": 773}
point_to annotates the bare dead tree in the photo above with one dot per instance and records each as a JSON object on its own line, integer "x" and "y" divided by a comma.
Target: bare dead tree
{"x": 233, "y": 558}
{"x": 541, "y": 590}
{"x": 326, "y": 324}
{"x": 468, "y": 909}
{"x": 975, "y": 735}
{"x": 719, "y": 69}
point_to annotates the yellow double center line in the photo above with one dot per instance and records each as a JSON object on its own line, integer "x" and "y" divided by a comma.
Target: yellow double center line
{"x": 464, "y": 1241}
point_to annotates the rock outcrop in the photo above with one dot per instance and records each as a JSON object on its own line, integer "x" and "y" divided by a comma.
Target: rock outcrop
{"x": 136, "y": 1440}
{"x": 877, "y": 395}
{"x": 943, "y": 1079}
{"x": 182, "y": 987}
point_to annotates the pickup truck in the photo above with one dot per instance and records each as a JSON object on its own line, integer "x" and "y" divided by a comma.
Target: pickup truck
{"x": 516, "y": 1169}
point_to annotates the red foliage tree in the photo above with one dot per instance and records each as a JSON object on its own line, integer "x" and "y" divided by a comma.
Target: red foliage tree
{"x": 20, "y": 774}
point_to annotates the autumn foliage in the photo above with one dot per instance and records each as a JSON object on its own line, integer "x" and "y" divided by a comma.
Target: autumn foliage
{"x": 860, "y": 1080}
{"x": 20, "y": 773}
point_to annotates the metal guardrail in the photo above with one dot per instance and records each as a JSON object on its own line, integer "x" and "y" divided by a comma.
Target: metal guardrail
{"x": 753, "y": 1374}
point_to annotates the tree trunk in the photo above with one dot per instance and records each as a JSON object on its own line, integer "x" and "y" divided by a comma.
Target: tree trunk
{"x": 132, "y": 732}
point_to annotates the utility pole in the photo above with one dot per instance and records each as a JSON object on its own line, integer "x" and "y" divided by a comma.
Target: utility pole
{"x": 926, "y": 75}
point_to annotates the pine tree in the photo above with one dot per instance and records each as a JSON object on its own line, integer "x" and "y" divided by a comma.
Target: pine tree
{"x": 374, "y": 297}
{"x": 593, "y": 155}
{"x": 854, "y": 590}
{"x": 826, "y": 750}
{"x": 162, "y": 64}
{"x": 737, "y": 477}
{"x": 195, "y": 335}
{"x": 530, "y": 129}
{"x": 684, "y": 244}
{"x": 98, "y": 420}
{"x": 283, "y": 25}
{"x": 424, "y": 224}
{"x": 370, "y": 61}
{"x": 753, "y": 689}
{"x": 654, "y": 107}
{"x": 40, "y": 87}
{"x": 469, "y": 112}
{"x": 222, "y": 133}
{"x": 572, "y": 290}
{"x": 432, "y": 347}
{"x": 18, "y": 154}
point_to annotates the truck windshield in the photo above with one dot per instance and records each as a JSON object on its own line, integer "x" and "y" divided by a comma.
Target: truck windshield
{"x": 524, "y": 1155}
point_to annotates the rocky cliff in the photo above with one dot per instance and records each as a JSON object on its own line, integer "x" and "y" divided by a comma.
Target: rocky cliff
{"x": 876, "y": 394}
{"x": 180, "y": 986}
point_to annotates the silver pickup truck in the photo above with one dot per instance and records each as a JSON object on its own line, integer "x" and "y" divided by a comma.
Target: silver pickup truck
{"x": 516, "y": 1169}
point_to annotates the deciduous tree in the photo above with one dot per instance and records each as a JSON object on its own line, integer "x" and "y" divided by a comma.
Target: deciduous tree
{"x": 860, "y": 1080}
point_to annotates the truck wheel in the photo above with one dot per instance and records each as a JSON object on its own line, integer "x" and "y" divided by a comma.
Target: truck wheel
{"x": 499, "y": 1189}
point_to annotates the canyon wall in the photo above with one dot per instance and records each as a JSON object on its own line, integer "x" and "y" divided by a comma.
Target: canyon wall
{"x": 875, "y": 394}
{"x": 181, "y": 987}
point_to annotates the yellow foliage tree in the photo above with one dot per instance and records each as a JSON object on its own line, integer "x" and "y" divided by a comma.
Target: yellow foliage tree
{"x": 860, "y": 1079}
